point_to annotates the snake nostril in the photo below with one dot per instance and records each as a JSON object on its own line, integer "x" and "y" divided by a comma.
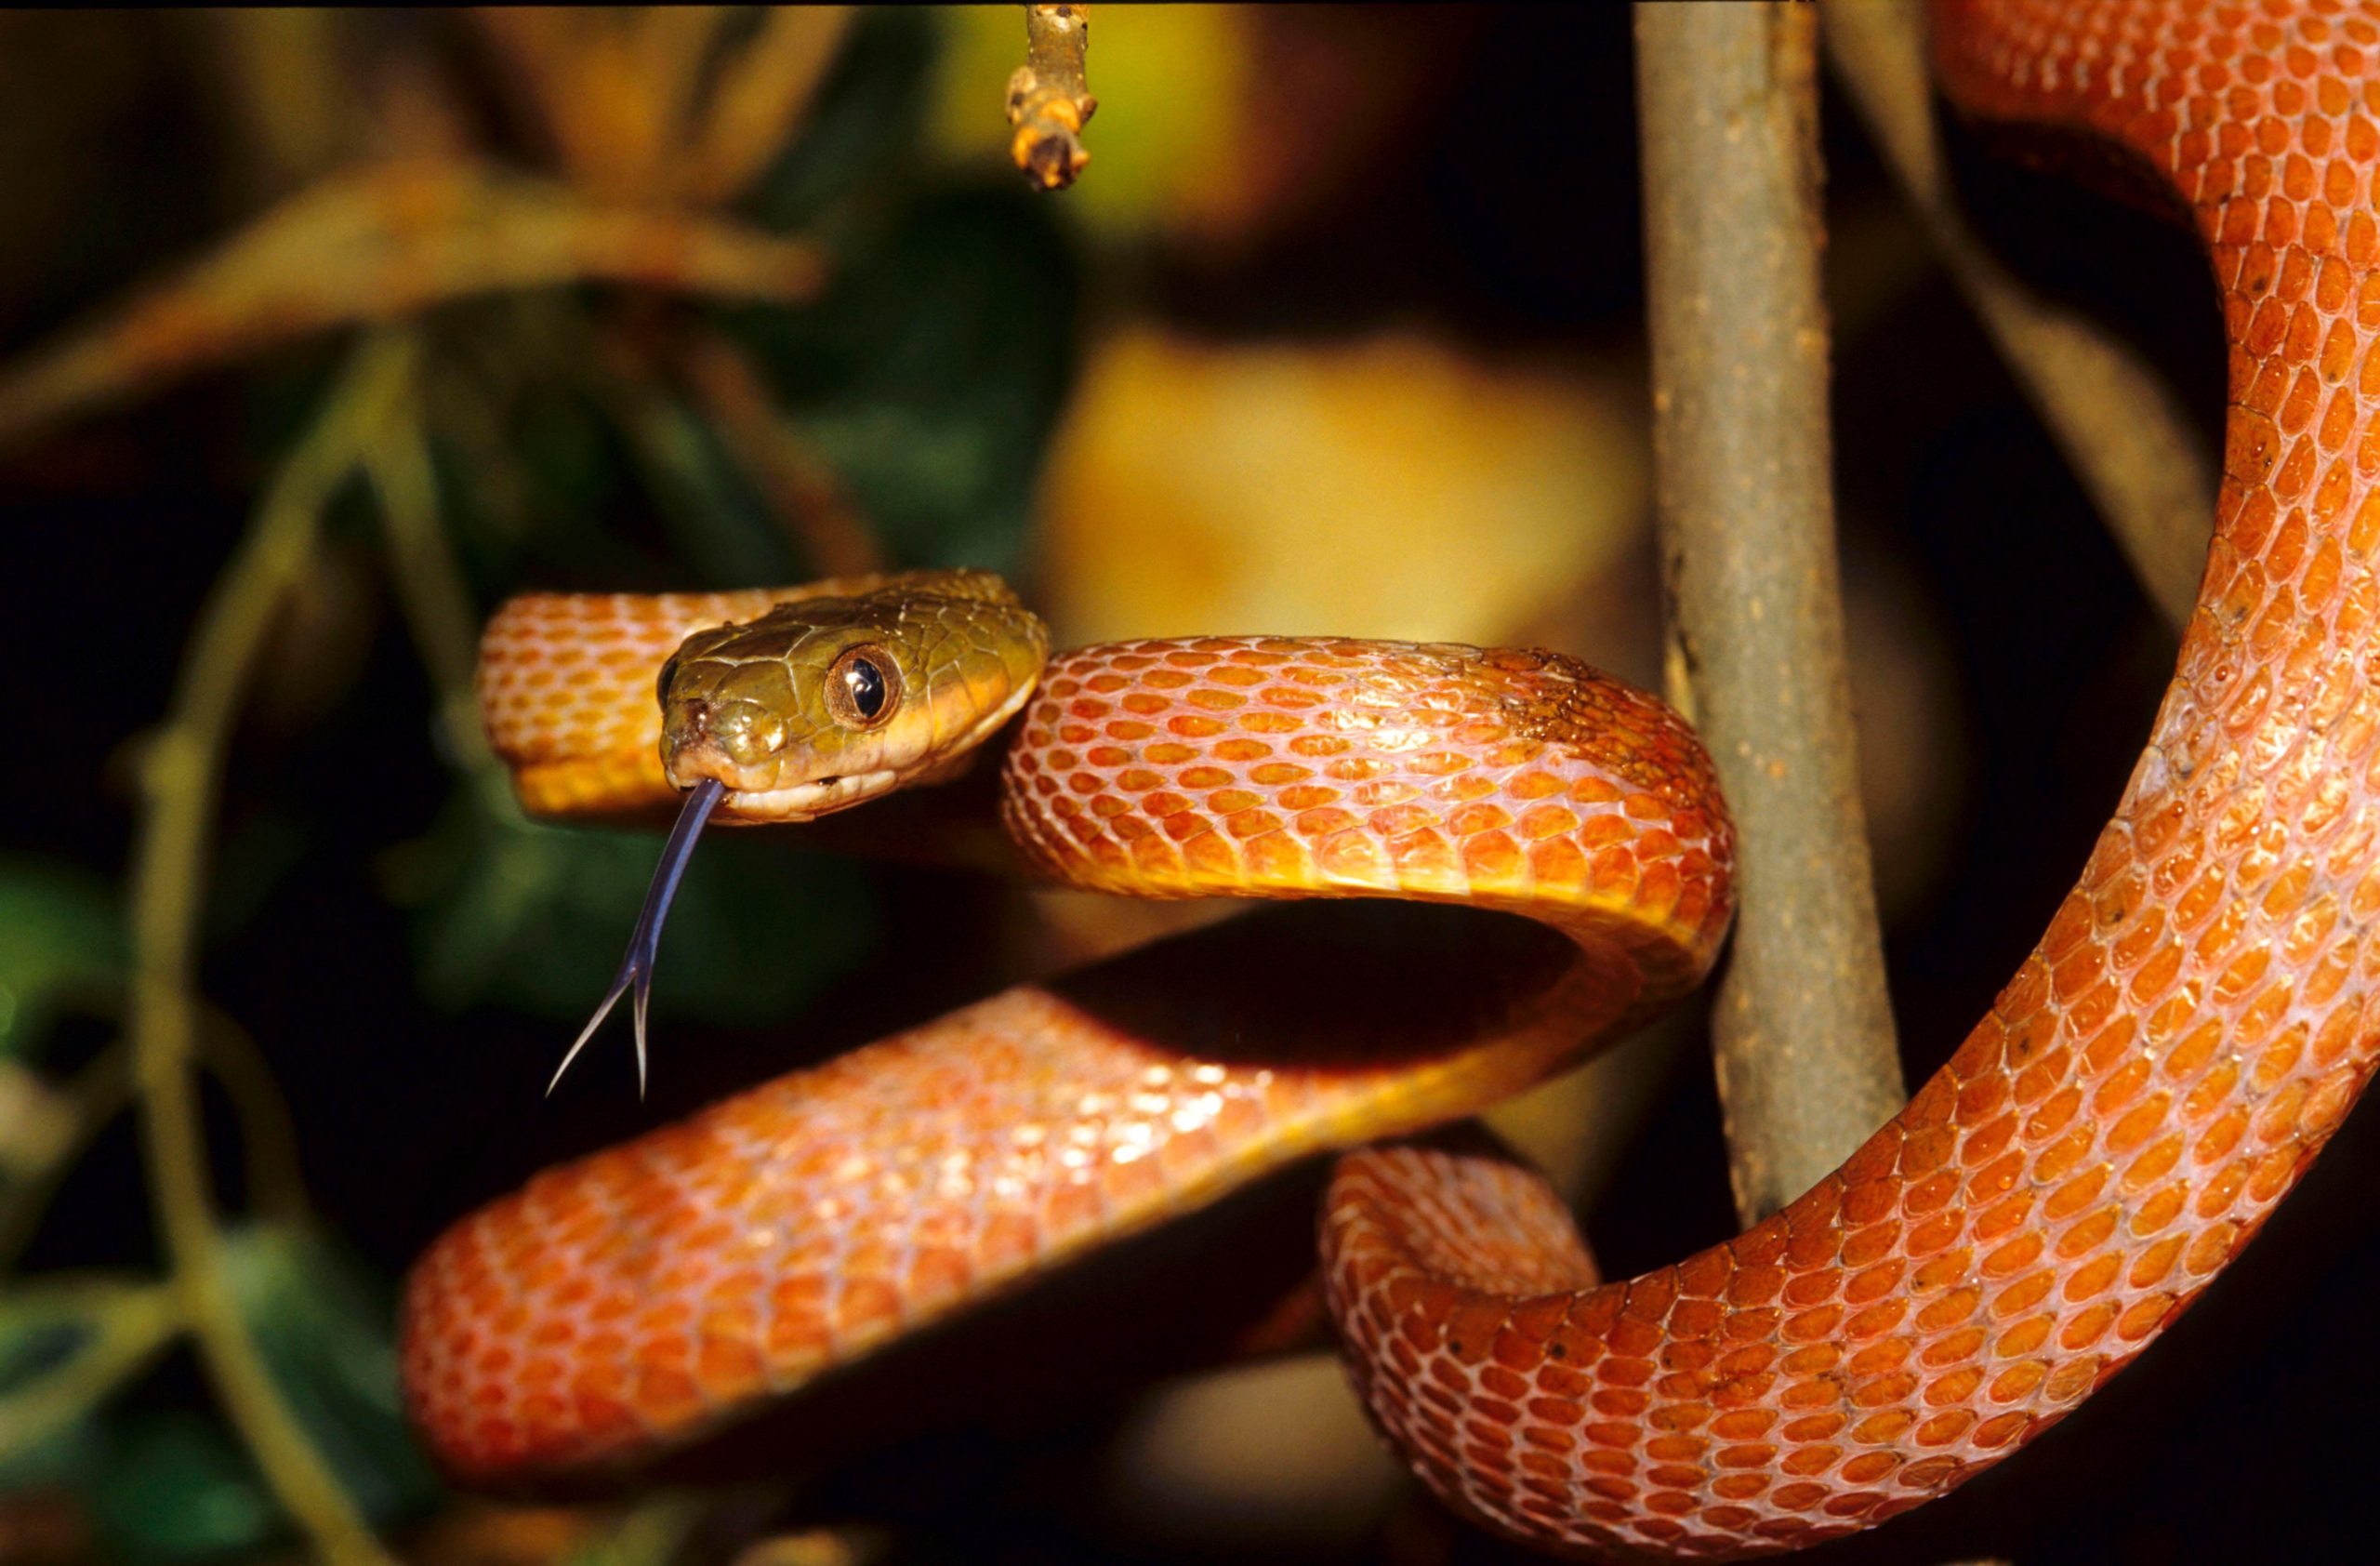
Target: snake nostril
{"x": 743, "y": 732}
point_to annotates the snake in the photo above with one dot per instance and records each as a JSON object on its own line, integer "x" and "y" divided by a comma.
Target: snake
{"x": 2194, "y": 1024}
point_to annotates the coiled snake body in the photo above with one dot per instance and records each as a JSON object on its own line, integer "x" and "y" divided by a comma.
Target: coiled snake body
{"x": 2193, "y": 1025}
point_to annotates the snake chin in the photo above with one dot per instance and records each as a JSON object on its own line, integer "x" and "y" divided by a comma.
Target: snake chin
{"x": 806, "y": 802}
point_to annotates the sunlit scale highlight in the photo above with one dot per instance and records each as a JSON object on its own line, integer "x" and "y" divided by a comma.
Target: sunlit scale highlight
{"x": 2193, "y": 1025}
{"x": 2192, "y": 1028}
{"x": 1314, "y": 766}
{"x": 637, "y": 1297}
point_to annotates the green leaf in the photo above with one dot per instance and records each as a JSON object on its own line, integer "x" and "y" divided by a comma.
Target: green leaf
{"x": 61, "y": 935}
{"x": 174, "y": 1487}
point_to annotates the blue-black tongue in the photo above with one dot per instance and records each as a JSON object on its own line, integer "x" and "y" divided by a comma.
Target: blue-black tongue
{"x": 635, "y": 964}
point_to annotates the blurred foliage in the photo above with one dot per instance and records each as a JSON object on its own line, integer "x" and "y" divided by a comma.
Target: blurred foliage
{"x": 60, "y": 1344}
{"x": 861, "y": 136}
{"x": 164, "y": 1484}
{"x": 515, "y": 913}
{"x": 323, "y": 1328}
{"x": 930, "y": 377}
{"x": 689, "y": 301}
{"x": 61, "y": 938}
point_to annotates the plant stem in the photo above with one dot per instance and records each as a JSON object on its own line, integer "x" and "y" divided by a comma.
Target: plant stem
{"x": 1048, "y": 102}
{"x": 276, "y": 1188}
{"x": 180, "y": 779}
{"x": 429, "y": 588}
{"x": 1802, "y": 1026}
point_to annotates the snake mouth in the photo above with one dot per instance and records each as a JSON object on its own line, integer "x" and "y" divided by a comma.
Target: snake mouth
{"x": 806, "y": 802}
{"x": 755, "y": 792}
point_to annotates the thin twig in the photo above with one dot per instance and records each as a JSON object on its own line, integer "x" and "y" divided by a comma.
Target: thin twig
{"x": 429, "y": 588}
{"x": 1807, "y": 1062}
{"x": 431, "y": 593}
{"x": 267, "y": 1133}
{"x": 182, "y": 774}
{"x": 2110, "y": 414}
{"x": 1049, "y": 101}
{"x": 103, "y": 1087}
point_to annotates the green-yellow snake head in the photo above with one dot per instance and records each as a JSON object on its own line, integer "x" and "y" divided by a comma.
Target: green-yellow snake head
{"x": 823, "y": 703}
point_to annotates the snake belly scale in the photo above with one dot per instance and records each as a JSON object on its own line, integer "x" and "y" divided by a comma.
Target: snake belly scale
{"x": 2197, "y": 1018}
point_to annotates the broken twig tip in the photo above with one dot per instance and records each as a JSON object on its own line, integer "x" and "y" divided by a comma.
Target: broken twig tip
{"x": 1048, "y": 102}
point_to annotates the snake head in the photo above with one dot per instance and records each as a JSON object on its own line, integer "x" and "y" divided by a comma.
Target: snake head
{"x": 818, "y": 705}
{"x": 825, "y": 703}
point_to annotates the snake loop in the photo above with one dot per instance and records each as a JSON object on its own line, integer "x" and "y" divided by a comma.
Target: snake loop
{"x": 2197, "y": 1018}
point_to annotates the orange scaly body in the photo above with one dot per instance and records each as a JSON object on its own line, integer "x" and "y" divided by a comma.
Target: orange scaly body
{"x": 2195, "y": 1023}
{"x": 636, "y": 1295}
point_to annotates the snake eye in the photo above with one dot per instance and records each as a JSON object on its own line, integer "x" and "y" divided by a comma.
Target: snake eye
{"x": 661, "y": 686}
{"x": 863, "y": 687}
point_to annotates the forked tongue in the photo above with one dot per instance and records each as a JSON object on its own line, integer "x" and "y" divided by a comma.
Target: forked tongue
{"x": 635, "y": 964}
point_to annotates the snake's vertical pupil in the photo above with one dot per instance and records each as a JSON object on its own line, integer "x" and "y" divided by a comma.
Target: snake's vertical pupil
{"x": 864, "y": 684}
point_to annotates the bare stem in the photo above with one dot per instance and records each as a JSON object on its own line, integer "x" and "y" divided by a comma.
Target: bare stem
{"x": 1803, "y": 1028}
{"x": 1049, "y": 101}
{"x": 180, "y": 779}
{"x": 268, "y": 1135}
{"x": 2109, "y": 412}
